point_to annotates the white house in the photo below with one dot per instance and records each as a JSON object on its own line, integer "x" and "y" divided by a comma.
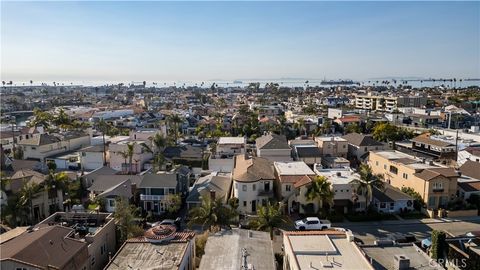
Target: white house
{"x": 46, "y": 145}
{"x": 222, "y": 160}
{"x": 91, "y": 157}
{"x": 252, "y": 182}
{"x": 122, "y": 163}
{"x": 345, "y": 197}
{"x": 292, "y": 179}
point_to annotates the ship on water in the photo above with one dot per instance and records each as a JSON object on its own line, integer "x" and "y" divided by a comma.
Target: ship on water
{"x": 337, "y": 82}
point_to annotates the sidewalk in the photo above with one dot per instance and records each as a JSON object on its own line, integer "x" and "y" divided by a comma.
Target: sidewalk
{"x": 407, "y": 221}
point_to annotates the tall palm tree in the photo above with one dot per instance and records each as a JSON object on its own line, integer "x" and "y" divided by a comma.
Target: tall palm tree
{"x": 211, "y": 213}
{"x": 269, "y": 217}
{"x": 124, "y": 155}
{"x": 130, "y": 152}
{"x": 26, "y": 195}
{"x": 103, "y": 127}
{"x": 367, "y": 182}
{"x": 175, "y": 120}
{"x": 300, "y": 125}
{"x": 159, "y": 142}
{"x": 321, "y": 190}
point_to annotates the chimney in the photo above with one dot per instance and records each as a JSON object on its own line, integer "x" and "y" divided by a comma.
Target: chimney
{"x": 401, "y": 262}
{"x": 212, "y": 194}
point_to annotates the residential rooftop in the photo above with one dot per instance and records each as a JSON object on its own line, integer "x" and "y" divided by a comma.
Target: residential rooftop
{"x": 145, "y": 255}
{"x": 331, "y": 138}
{"x": 84, "y": 225}
{"x": 383, "y": 256}
{"x": 325, "y": 250}
{"x": 338, "y": 176}
{"x": 224, "y": 250}
{"x": 231, "y": 140}
{"x": 292, "y": 168}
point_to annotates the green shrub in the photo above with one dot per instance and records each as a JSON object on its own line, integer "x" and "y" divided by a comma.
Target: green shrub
{"x": 439, "y": 245}
{"x": 200, "y": 242}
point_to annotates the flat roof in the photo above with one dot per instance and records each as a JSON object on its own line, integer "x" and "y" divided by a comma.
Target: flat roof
{"x": 293, "y": 168}
{"x": 327, "y": 139}
{"x": 224, "y": 250}
{"x": 317, "y": 251}
{"x": 383, "y": 256}
{"x": 392, "y": 154}
{"x": 338, "y": 176}
{"x": 231, "y": 140}
{"x": 145, "y": 255}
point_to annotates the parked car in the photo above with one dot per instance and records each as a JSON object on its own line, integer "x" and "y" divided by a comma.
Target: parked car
{"x": 312, "y": 223}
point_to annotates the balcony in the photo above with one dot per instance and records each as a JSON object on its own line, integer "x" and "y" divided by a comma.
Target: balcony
{"x": 438, "y": 190}
{"x": 263, "y": 193}
{"x": 151, "y": 197}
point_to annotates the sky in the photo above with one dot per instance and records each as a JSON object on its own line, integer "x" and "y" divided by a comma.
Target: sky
{"x": 167, "y": 41}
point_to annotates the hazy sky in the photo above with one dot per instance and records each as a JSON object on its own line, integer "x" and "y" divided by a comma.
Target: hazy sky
{"x": 155, "y": 41}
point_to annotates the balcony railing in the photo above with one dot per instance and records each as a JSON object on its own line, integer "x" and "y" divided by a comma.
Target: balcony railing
{"x": 437, "y": 189}
{"x": 144, "y": 197}
{"x": 263, "y": 193}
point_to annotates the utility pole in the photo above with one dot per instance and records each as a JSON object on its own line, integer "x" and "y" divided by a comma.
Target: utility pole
{"x": 12, "y": 121}
{"x": 456, "y": 148}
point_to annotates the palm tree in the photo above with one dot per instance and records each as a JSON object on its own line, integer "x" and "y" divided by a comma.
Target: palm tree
{"x": 300, "y": 125}
{"x": 62, "y": 120}
{"x": 321, "y": 190}
{"x": 269, "y": 217}
{"x": 367, "y": 182}
{"x": 130, "y": 152}
{"x": 25, "y": 195}
{"x": 159, "y": 142}
{"x": 211, "y": 213}
{"x": 103, "y": 126}
{"x": 124, "y": 155}
{"x": 175, "y": 119}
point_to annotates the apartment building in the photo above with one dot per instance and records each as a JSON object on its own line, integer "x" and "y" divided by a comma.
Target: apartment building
{"x": 437, "y": 185}
{"x": 433, "y": 147}
{"x": 387, "y": 103}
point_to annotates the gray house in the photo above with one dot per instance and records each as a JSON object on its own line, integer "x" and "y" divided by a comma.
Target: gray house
{"x": 154, "y": 189}
{"x": 273, "y": 147}
{"x": 216, "y": 185}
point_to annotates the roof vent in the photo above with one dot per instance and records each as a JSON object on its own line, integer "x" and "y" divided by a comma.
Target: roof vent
{"x": 339, "y": 174}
